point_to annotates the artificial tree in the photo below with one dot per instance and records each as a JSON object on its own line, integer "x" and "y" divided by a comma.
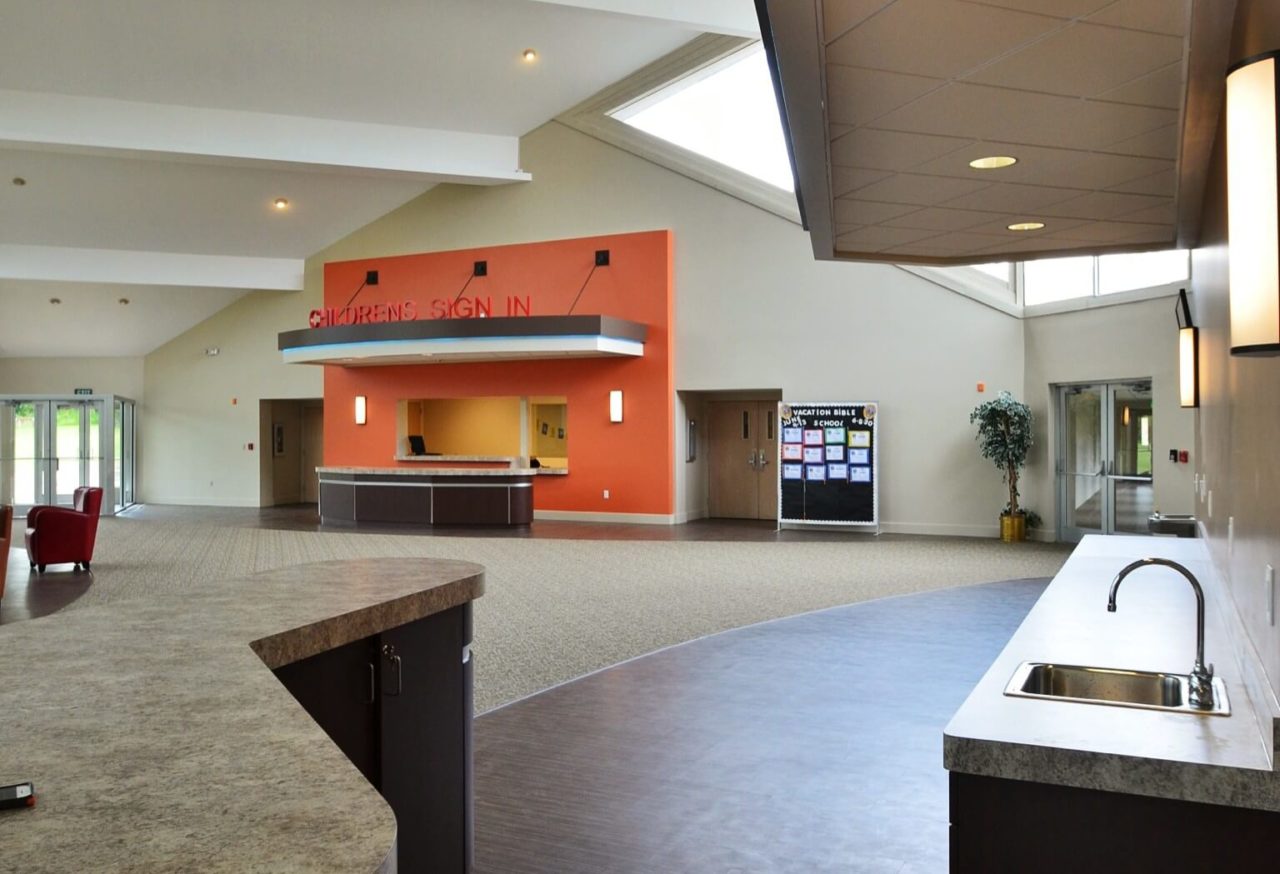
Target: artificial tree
{"x": 1004, "y": 436}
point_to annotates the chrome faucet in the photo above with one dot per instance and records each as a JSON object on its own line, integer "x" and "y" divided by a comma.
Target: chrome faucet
{"x": 1200, "y": 694}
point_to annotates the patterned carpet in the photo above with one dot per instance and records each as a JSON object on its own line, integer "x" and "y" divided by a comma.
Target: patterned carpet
{"x": 556, "y": 608}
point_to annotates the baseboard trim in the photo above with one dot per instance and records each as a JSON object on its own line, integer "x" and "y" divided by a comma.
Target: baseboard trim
{"x": 197, "y": 502}
{"x": 940, "y": 528}
{"x": 627, "y": 518}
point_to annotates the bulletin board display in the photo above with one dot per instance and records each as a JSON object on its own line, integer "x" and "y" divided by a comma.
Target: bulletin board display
{"x": 827, "y": 471}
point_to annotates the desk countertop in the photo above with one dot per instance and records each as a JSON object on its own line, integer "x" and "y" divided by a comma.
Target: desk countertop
{"x": 159, "y": 740}
{"x": 431, "y": 471}
{"x": 1194, "y": 757}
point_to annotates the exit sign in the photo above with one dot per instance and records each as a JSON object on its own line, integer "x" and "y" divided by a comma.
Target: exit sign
{"x": 84, "y": 391}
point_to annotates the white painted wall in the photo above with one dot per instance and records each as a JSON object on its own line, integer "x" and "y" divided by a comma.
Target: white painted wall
{"x": 56, "y": 376}
{"x": 1118, "y": 342}
{"x": 753, "y": 309}
{"x": 202, "y": 412}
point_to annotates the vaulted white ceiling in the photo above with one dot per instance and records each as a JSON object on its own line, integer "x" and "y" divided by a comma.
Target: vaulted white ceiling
{"x": 153, "y": 136}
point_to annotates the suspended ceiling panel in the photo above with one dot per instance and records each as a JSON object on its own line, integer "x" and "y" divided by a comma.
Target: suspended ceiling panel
{"x": 1109, "y": 107}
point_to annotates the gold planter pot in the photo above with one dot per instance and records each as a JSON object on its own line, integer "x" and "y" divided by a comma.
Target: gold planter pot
{"x": 1013, "y": 529}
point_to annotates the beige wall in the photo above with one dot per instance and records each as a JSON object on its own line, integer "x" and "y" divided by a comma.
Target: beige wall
{"x": 203, "y": 412}
{"x": 818, "y": 330}
{"x": 1127, "y": 341}
{"x": 57, "y": 376}
{"x": 1239, "y": 417}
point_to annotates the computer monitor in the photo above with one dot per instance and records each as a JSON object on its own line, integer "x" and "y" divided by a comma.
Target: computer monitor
{"x": 417, "y": 446}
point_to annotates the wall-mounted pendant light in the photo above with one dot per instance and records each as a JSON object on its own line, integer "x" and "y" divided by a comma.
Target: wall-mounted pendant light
{"x": 1188, "y": 355}
{"x": 1252, "y": 207}
{"x": 361, "y": 410}
{"x": 615, "y": 405}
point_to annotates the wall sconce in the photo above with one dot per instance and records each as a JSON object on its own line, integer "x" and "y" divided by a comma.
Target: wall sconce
{"x": 615, "y": 405}
{"x": 1252, "y": 219}
{"x": 1188, "y": 354}
{"x": 1124, "y": 418}
{"x": 361, "y": 410}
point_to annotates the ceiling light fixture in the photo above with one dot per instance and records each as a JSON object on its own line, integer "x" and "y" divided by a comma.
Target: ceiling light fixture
{"x": 19, "y": 181}
{"x": 280, "y": 203}
{"x": 1026, "y": 226}
{"x": 529, "y": 56}
{"x": 993, "y": 162}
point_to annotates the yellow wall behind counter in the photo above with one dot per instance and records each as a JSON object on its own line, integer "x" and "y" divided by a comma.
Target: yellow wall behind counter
{"x": 472, "y": 426}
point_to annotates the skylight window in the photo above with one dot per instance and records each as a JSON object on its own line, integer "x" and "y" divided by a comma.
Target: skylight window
{"x": 726, "y": 112}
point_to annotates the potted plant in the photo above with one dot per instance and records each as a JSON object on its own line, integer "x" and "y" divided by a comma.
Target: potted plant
{"x": 1004, "y": 436}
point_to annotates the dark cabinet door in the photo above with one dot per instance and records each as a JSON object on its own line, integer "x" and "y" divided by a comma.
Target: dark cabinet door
{"x": 425, "y": 737}
{"x": 339, "y": 689}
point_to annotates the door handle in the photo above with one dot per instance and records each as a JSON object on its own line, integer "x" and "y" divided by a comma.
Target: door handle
{"x": 373, "y": 685}
{"x": 764, "y": 460}
{"x": 751, "y": 461}
{"x": 389, "y": 653}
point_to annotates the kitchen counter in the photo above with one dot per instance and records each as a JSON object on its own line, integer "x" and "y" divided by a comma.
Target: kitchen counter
{"x": 159, "y": 739}
{"x": 1226, "y": 760}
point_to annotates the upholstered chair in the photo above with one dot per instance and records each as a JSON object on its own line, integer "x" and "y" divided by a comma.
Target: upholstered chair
{"x": 56, "y": 535}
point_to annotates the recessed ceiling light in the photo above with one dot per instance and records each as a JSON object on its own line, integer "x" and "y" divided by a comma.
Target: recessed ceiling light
{"x": 280, "y": 203}
{"x": 1026, "y": 226}
{"x": 55, "y": 300}
{"x": 529, "y": 56}
{"x": 124, "y": 301}
{"x": 993, "y": 162}
{"x": 19, "y": 181}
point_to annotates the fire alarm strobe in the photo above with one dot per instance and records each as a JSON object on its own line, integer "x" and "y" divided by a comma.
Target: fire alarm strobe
{"x": 18, "y": 795}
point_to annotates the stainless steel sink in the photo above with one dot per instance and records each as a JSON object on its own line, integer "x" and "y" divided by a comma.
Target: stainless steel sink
{"x": 1112, "y": 686}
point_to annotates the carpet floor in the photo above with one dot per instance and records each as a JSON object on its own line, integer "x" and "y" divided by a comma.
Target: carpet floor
{"x": 555, "y": 609}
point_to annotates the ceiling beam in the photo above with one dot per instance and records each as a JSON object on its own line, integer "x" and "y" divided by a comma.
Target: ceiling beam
{"x": 149, "y": 268}
{"x": 93, "y": 124}
{"x": 732, "y": 17}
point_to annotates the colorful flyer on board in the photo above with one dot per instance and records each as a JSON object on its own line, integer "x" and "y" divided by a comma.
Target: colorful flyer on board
{"x": 835, "y": 453}
{"x": 813, "y": 437}
{"x": 834, "y": 435}
{"x": 859, "y": 438}
{"x": 813, "y": 455}
{"x": 793, "y": 471}
{"x": 837, "y": 471}
{"x": 859, "y": 474}
{"x": 792, "y": 452}
{"x": 816, "y": 472}
{"x": 859, "y": 456}
{"x": 792, "y": 435}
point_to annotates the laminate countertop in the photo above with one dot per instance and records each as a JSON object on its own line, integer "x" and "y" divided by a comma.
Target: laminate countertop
{"x": 158, "y": 738}
{"x": 432, "y": 471}
{"x": 1188, "y": 756}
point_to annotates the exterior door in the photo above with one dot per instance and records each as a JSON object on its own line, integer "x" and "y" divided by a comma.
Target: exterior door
{"x": 1104, "y": 459}
{"x": 743, "y": 447}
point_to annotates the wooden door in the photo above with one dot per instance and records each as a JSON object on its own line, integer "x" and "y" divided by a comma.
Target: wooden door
{"x": 312, "y": 452}
{"x": 743, "y": 448}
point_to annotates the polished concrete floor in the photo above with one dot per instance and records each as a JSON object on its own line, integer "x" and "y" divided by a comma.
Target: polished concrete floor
{"x": 808, "y": 744}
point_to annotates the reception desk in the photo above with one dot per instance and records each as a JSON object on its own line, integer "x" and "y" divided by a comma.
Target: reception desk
{"x": 431, "y": 495}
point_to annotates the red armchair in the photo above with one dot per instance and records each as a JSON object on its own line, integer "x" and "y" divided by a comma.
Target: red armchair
{"x": 59, "y": 534}
{"x": 6, "y": 536}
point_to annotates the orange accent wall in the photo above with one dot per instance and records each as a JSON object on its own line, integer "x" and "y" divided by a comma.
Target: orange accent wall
{"x": 633, "y": 459}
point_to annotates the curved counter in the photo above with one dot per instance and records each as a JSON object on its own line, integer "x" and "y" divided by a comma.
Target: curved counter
{"x": 159, "y": 739}
{"x": 427, "y": 496}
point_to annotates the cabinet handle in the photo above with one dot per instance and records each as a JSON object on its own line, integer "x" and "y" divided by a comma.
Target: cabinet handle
{"x": 373, "y": 685}
{"x": 389, "y": 653}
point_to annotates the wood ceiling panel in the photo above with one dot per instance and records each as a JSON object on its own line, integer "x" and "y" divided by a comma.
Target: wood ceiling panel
{"x": 1012, "y": 198}
{"x": 1111, "y": 232}
{"x": 876, "y": 238}
{"x": 1164, "y": 214}
{"x": 1158, "y": 16}
{"x": 987, "y": 112}
{"x": 936, "y": 38}
{"x": 862, "y": 212}
{"x": 856, "y": 96}
{"x": 964, "y": 241}
{"x": 1082, "y": 60}
{"x": 889, "y": 150}
{"x": 846, "y": 180}
{"x": 1157, "y": 183}
{"x": 920, "y": 190}
{"x": 1099, "y": 205}
{"x": 1034, "y": 162}
{"x": 839, "y": 16}
{"x": 938, "y": 219}
{"x": 999, "y": 226}
{"x": 1162, "y": 88}
{"x": 1056, "y": 8}
{"x": 1159, "y": 143}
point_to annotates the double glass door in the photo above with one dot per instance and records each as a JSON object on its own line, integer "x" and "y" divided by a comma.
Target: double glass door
{"x": 49, "y": 447}
{"x": 1104, "y": 462}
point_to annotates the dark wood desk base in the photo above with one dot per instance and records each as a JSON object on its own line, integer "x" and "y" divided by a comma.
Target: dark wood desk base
{"x": 426, "y": 499}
